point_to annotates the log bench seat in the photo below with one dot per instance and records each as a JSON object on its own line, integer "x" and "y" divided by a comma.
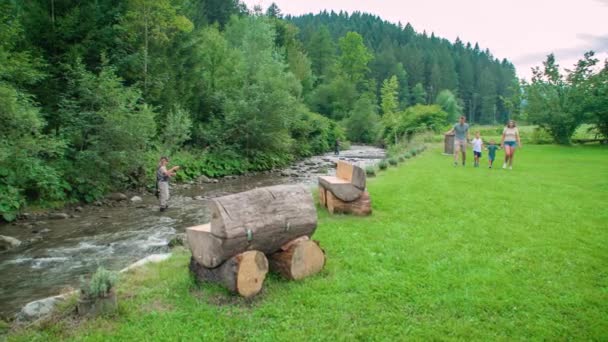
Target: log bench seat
{"x": 345, "y": 192}
{"x": 276, "y": 221}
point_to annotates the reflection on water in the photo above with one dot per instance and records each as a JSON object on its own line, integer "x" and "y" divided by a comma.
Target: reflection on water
{"x": 117, "y": 236}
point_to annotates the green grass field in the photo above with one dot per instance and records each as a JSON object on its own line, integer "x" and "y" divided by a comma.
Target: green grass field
{"x": 449, "y": 253}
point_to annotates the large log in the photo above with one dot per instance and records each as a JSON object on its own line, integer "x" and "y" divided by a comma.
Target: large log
{"x": 243, "y": 274}
{"x": 361, "y": 207}
{"x": 299, "y": 260}
{"x": 263, "y": 219}
{"x": 341, "y": 188}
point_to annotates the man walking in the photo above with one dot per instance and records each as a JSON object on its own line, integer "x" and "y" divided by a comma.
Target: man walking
{"x": 461, "y": 136}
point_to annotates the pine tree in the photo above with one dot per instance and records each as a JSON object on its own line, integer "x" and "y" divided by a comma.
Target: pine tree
{"x": 418, "y": 94}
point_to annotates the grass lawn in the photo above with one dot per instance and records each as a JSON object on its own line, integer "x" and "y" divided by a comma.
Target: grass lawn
{"x": 449, "y": 253}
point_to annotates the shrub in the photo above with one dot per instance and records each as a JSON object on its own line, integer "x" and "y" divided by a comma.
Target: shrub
{"x": 407, "y": 155}
{"x": 370, "y": 171}
{"x": 541, "y": 136}
{"x": 100, "y": 285}
{"x": 392, "y": 161}
{"x": 413, "y": 152}
{"x": 383, "y": 164}
{"x": 401, "y": 159}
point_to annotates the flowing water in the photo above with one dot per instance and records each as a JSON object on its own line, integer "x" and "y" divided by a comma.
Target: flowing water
{"x": 59, "y": 252}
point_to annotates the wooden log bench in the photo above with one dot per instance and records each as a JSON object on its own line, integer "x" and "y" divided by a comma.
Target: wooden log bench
{"x": 345, "y": 192}
{"x": 244, "y": 227}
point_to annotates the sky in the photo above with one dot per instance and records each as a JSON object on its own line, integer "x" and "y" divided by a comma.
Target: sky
{"x": 522, "y": 31}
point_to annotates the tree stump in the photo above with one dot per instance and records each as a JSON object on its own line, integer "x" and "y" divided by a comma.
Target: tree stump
{"x": 360, "y": 207}
{"x": 243, "y": 274}
{"x": 299, "y": 260}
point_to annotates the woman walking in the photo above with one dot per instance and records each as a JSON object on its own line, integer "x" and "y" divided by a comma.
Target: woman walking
{"x": 510, "y": 138}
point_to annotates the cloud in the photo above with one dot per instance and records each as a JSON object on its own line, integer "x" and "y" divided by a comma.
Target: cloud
{"x": 589, "y": 42}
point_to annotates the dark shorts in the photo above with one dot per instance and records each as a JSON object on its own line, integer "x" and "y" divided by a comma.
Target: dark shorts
{"x": 491, "y": 158}
{"x": 477, "y": 154}
{"x": 510, "y": 143}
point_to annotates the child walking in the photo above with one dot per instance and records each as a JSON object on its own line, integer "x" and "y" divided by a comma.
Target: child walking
{"x": 477, "y": 146}
{"x": 491, "y": 153}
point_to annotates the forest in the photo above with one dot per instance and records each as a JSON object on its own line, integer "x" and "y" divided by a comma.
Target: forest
{"x": 92, "y": 93}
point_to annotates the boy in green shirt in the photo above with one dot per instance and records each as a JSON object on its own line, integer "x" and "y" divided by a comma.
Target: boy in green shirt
{"x": 491, "y": 152}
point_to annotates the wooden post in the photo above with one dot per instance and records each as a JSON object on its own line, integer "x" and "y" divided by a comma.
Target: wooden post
{"x": 448, "y": 144}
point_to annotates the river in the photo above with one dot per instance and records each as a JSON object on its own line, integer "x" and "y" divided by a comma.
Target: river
{"x": 59, "y": 252}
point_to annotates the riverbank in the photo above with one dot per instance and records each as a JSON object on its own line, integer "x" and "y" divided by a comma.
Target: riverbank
{"x": 449, "y": 252}
{"x": 56, "y": 252}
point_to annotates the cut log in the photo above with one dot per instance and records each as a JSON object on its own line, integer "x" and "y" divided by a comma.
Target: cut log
{"x": 300, "y": 260}
{"x": 360, "y": 207}
{"x": 262, "y": 219}
{"x": 351, "y": 173}
{"x": 341, "y": 188}
{"x": 243, "y": 274}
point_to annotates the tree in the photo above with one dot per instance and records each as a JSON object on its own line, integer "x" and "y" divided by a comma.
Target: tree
{"x": 418, "y": 94}
{"x": 597, "y": 100}
{"x": 150, "y": 26}
{"x": 354, "y": 57}
{"x": 390, "y": 104}
{"x": 108, "y": 128}
{"x": 488, "y": 97}
{"x": 322, "y": 53}
{"x": 257, "y": 107}
{"x": 362, "y": 125}
{"x": 555, "y": 102}
{"x": 450, "y": 104}
{"x": 274, "y": 11}
{"x": 25, "y": 152}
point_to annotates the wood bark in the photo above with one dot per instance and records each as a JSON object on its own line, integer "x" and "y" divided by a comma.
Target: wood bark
{"x": 341, "y": 188}
{"x": 360, "y": 207}
{"x": 300, "y": 260}
{"x": 242, "y": 274}
{"x": 322, "y": 195}
{"x": 262, "y": 219}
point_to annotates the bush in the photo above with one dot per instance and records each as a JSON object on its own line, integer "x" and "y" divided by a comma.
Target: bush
{"x": 401, "y": 159}
{"x": 100, "y": 285}
{"x": 392, "y": 161}
{"x": 413, "y": 152}
{"x": 370, "y": 171}
{"x": 407, "y": 155}
{"x": 541, "y": 136}
{"x": 383, "y": 164}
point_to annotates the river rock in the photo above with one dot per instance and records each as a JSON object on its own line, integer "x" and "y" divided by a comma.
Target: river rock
{"x": 41, "y": 308}
{"x": 117, "y": 196}
{"x": 78, "y": 209}
{"x": 38, "y": 309}
{"x": 136, "y": 199}
{"x": 199, "y": 198}
{"x": 7, "y": 243}
{"x": 58, "y": 216}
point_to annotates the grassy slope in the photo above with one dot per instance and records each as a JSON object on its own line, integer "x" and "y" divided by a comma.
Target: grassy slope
{"x": 448, "y": 253}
